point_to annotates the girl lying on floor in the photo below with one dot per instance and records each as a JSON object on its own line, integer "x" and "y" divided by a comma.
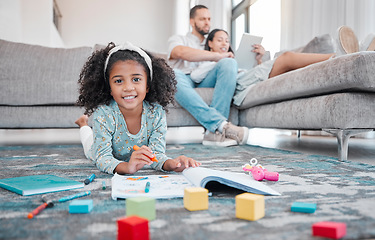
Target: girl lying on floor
{"x": 127, "y": 90}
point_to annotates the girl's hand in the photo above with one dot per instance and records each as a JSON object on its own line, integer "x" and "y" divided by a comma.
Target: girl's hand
{"x": 259, "y": 50}
{"x": 138, "y": 159}
{"x": 180, "y": 163}
{"x": 219, "y": 56}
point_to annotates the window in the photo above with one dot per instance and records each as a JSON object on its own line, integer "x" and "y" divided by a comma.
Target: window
{"x": 235, "y": 3}
{"x": 239, "y": 27}
{"x": 257, "y": 17}
{"x": 240, "y": 19}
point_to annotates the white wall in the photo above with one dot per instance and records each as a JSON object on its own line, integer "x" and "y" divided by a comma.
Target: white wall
{"x": 181, "y": 17}
{"x": 28, "y": 22}
{"x": 145, "y": 23}
{"x": 10, "y": 20}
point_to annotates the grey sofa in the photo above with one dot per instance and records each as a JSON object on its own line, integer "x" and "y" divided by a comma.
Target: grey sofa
{"x": 39, "y": 90}
{"x": 39, "y": 85}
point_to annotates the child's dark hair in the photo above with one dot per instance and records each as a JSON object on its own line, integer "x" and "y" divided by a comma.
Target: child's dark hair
{"x": 94, "y": 84}
{"x": 211, "y": 36}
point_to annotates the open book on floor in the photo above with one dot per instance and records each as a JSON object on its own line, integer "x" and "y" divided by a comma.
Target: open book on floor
{"x": 202, "y": 176}
{"x": 172, "y": 186}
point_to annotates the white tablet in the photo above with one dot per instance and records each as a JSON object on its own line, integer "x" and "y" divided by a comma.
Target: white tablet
{"x": 244, "y": 55}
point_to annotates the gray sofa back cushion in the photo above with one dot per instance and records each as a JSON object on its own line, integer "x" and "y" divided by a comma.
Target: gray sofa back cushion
{"x": 36, "y": 75}
{"x": 352, "y": 72}
{"x": 320, "y": 44}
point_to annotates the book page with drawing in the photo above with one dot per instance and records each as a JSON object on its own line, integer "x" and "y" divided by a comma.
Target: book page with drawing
{"x": 161, "y": 186}
{"x": 173, "y": 185}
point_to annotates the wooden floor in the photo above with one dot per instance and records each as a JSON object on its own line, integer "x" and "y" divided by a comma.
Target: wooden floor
{"x": 360, "y": 150}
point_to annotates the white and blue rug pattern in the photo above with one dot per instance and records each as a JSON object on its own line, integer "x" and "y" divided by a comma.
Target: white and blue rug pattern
{"x": 343, "y": 191}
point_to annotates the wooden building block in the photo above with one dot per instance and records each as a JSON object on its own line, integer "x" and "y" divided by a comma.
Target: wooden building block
{"x": 133, "y": 228}
{"x": 81, "y": 206}
{"x": 250, "y": 206}
{"x": 303, "y": 207}
{"x": 142, "y": 207}
{"x": 333, "y": 230}
{"x": 196, "y": 198}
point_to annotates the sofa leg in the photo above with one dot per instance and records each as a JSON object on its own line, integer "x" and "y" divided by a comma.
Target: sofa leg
{"x": 343, "y": 136}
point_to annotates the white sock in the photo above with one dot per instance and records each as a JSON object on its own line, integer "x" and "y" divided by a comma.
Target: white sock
{"x": 220, "y": 129}
{"x": 87, "y": 139}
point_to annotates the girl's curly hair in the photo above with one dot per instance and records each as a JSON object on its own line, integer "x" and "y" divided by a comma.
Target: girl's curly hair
{"x": 94, "y": 84}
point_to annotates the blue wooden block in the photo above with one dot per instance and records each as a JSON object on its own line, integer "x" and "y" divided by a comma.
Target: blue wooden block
{"x": 303, "y": 207}
{"x": 81, "y": 206}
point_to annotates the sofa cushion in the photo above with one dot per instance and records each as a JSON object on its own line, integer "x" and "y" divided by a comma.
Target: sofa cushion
{"x": 351, "y": 72}
{"x": 339, "y": 110}
{"x": 37, "y": 75}
{"x": 320, "y": 44}
{"x": 39, "y": 116}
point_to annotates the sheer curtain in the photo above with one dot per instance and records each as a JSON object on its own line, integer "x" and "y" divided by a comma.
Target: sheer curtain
{"x": 220, "y": 12}
{"x": 303, "y": 20}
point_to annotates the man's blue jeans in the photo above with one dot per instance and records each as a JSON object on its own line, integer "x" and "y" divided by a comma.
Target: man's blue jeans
{"x": 223, "y": 79}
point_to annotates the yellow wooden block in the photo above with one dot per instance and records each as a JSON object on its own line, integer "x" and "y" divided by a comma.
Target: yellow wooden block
{"x": 196, "y": 198}
{"x": 249, "y": 206}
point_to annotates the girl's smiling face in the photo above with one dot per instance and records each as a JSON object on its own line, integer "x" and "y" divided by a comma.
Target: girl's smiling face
{"x": 128, "y": 83}
{"x": 220, "y": 42}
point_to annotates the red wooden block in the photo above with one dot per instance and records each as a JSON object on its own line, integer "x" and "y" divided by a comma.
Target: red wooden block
{"x": 133, "y": 228}
{"x": 334, "y": 230}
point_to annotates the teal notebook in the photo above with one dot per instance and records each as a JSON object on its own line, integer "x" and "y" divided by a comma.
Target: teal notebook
{"x": 38, "y": 184}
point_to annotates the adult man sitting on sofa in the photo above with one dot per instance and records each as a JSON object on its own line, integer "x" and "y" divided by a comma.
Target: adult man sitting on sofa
{"x": 185, "y": 53}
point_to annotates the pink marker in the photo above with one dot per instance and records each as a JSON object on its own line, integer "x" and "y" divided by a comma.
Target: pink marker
{"x": 271, "y": 176}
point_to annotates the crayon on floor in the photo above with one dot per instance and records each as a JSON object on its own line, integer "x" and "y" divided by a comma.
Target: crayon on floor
{"x": 89, "y": 179}
{"x": 147, "y": 188}
{"x": 37, "y": 210}
{"x": 73, "y": 196}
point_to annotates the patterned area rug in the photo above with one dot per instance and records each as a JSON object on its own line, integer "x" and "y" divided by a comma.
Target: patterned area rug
{"x": 343, "y": 192}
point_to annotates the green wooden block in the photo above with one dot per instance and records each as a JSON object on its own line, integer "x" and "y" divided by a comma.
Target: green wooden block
{"x": 142, "y": 207}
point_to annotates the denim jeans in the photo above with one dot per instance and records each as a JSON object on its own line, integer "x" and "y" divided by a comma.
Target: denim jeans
{"x": 223, "y": 79}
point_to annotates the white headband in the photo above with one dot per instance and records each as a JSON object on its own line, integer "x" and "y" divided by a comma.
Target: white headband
{"x": 129, "y": 46}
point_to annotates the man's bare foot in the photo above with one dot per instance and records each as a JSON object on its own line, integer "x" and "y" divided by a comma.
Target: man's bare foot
{"x": 82, "y": 121}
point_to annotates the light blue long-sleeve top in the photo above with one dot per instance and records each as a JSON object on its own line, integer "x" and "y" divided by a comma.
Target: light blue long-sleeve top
{"x": 113, "y": 143}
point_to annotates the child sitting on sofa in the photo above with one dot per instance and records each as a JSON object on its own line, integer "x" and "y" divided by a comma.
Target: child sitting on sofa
{"x": 127, "y": 89}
